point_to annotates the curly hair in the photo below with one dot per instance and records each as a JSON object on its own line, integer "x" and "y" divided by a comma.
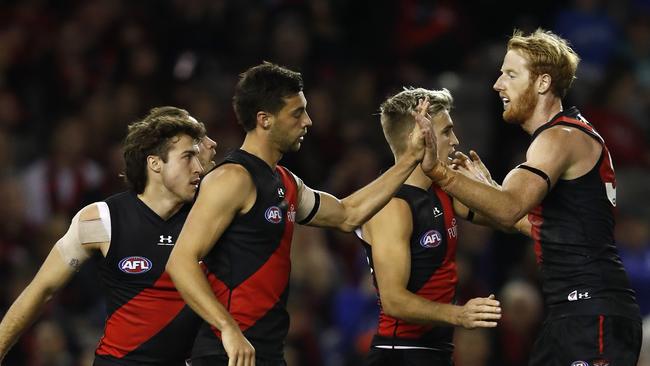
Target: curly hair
{"x": 153, "y": 135}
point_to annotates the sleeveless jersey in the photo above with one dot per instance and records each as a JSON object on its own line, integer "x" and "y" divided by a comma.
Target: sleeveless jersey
{"x": 249, "y": 265}
{"x": 148, "y": 321}
{"x": 573, "y": 230}
{"x": 433, "y": 270}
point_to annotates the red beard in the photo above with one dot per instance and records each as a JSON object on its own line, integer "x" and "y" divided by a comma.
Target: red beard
{"x": 522, "y": 109}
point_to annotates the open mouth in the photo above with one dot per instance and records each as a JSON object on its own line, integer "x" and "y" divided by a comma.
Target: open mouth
{"x": 505, "y": 101}
{"x": 195, "y": 182}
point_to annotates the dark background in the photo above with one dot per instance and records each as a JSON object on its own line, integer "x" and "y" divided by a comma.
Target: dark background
{"x": 73, "y": 74}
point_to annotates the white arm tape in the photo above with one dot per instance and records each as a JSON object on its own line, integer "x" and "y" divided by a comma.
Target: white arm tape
{"x": 70, "y": 246}
{"x": 105, "y": 216}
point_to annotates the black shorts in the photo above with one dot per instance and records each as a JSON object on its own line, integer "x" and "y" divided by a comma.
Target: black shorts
{"x": 594, "y": 340}
{"x": 223, "y": 361}
{"x": 407, "y": 357}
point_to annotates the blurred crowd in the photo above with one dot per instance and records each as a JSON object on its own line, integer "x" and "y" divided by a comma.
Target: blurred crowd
{"x": 73, "y": 74}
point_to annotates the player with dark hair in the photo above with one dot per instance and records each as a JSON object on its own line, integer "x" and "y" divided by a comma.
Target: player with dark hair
{"x": 147, "y": 322}
{"x": 242, "y": 222}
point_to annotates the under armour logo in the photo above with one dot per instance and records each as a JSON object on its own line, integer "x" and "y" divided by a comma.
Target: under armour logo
{"x": 281, "y": 192}
{"x": 165, "y": 240}
{"x": 436, "y": 212}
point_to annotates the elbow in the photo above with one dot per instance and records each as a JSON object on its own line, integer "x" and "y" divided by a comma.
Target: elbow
{"x": 47, "y": 294}
{"x": 348, "y": 227}
{"x": 353, "y": 216}
{"x": 509, "y": 215}
{"x": 391, "y": 306}
{"x": 507, "y": 221}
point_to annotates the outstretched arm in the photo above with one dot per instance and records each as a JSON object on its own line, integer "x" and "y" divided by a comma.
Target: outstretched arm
{"x": 521, "y": 190}
{"x": 59, "y": 267}
{"x": 349, "y": 213}
{"x": 472, "y": 166}
{"x": 389, "y": 233}
{"x": 224, "y": 193}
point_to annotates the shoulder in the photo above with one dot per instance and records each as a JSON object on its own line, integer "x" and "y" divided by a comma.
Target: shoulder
{"x": 555, "y": 140}
{"x": 231, "y": 174}
{"x": 229, "y": 185}
{"x": 557, "y": 134}
{"x": 561, "y": 140}
{"x": 393, "y": 221}
{"x": 396, "y": 210}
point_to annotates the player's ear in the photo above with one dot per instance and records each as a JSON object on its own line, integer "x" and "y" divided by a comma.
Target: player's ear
{"x": 544, "y": 83}
{"x": 154, "y": 163}
{"x": 264, "y": 120}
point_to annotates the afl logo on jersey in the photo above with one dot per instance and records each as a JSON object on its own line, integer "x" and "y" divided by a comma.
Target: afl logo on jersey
{"x": 273, "y": 215}
{"x": 431, "y": 239}
{"x": 135, "y": 265}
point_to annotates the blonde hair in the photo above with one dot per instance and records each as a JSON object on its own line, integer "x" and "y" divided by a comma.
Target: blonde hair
{"x": 396, "y": 119}
{"x": 547, "y": 53}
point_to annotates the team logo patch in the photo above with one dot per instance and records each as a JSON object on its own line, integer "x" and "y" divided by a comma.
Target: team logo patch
{"x": 135, "y": 265}
{"x": 273, "y": 215}
{"x": 431, "y": 239}
{"x": 579, "y": 363}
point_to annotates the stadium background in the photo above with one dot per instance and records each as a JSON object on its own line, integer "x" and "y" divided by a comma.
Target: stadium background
{"x": 73, "y": 74}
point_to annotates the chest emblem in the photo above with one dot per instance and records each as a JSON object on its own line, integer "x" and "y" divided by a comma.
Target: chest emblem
{"x": 436, "y": 211}
{"x": 165, "y": 240}
{"x": 281, "y": 192}
{"x": 135, "y": 265}
{"x": 273, "y": 215}
{"x": 431, "y": 239}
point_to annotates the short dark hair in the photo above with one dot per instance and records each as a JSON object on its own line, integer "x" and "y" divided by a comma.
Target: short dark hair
{"x": 263, "y": 88}
{"x": 153, "y": 136}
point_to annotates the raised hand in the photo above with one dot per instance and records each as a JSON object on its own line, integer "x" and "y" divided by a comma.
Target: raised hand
{"x": 473, "y": 167}
{"x": 480, "y": 312}
{"x": 421, "y": 138}
{"x": 425, "y": 128}
{"x": 240, "y": 351}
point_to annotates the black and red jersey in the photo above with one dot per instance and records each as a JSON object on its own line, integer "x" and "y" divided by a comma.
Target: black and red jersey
{"x": 147, "y": 320}
{"x": 433, "y": 270}
{"x": 249, "y": 265}
{"x": 573, "y": 230}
